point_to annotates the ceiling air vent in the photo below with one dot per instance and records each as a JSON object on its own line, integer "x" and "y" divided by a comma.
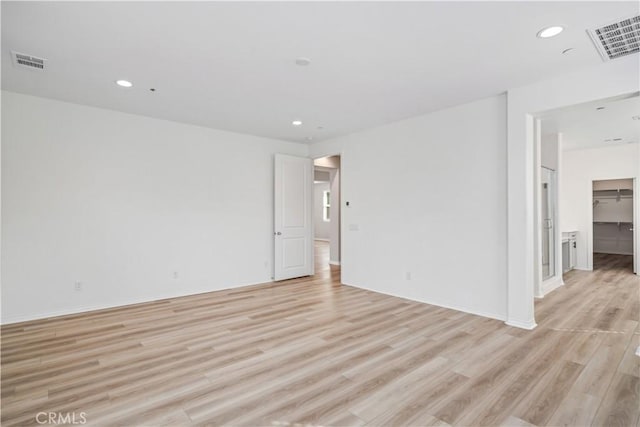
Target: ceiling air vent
{"x": 617, "y": 39}
{"x": 28, "y": 61}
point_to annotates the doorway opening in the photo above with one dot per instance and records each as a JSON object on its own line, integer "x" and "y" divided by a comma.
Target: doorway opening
{"x": 587, "y": 161}
{"x": 613, "y": 224}
{"x": 326, "y": 216}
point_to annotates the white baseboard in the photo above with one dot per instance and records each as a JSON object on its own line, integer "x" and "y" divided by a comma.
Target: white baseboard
{"x": 97, "y": 307}
{"x": 83, "y": 309}
{"x": 334, "y": 262}
{"x": 438, "y": 304}
{"x": 550, "y": 285}
{"x": 522, "y": 325}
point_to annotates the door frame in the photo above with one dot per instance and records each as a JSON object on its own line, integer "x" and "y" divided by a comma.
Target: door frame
{"x": 340, "y": 204}
{"x": 543, "y": 286}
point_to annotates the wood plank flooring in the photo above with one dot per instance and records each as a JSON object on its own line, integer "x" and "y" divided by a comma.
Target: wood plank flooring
{"x": 314, "y": 352}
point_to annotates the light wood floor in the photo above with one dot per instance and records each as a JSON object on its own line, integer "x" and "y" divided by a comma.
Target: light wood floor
{"x": 311, "y": 351}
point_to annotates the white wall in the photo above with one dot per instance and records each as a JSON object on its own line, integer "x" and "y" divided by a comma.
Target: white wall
{"x": 126, "y": 199}
{"x": 580, "y": 168}
{"x": 321, "y": 227}
{"x": 549, "y": 151}
{"x": 428, "y": 196}
{"x": 120, "y": 202}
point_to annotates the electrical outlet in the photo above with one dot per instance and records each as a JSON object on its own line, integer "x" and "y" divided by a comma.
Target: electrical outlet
{"x": 175, "y": 275}
{"x": 77, "y": 286}
{"x": 407, "y": 275}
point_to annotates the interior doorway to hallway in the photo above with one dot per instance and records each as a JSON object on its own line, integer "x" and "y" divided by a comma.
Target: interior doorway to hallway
{"x": 326, "y": 215}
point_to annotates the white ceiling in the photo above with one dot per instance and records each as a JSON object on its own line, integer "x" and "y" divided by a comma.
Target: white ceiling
{"x": 231, "y": 65}
{"x": 589, "y": 125}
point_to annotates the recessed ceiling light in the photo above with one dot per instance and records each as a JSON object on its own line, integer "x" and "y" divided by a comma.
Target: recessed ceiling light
{"x": 550, "y": 32}
{"x": 309, "y": 138}
{"x": 297, "y": 122}
{"x": 302, "y": 61}
{"x": 124, "y": 83}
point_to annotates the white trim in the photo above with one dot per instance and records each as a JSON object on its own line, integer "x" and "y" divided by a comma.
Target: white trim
{"x": 550, "y": 285}
{"x": 636, "y": 235}
{"x": 537, "y": 214}
{"x": 435, "y": 303}
{"x": 334, "y": 262}
{"x": 98, "y": 307}
{"x": 558, "y": 236}
{"x": 522, "y": 325}
{"x": 72, "y": 311}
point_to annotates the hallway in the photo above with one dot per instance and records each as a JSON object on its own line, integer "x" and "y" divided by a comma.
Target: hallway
{"x": 322, "y": 267}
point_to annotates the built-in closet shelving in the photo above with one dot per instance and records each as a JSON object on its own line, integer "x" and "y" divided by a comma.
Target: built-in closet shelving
{"x": 613, "y": 220}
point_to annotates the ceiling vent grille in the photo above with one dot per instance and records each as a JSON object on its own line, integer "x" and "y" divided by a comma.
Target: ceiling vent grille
{"x": 28, "y": 61}
{"x": 617, "y": 39}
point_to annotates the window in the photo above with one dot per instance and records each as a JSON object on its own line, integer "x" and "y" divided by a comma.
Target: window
{"x": 326, "y": 205}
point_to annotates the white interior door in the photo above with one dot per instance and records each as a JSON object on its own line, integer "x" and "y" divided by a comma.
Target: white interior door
{"x": 293, "y": 228}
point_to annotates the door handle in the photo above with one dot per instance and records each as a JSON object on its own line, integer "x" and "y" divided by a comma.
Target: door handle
{"x": 277, "y": 233}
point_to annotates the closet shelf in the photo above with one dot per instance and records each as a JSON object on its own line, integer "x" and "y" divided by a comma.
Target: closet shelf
{"x": 612, "y": 194}
{"x": 613, "y": 219}
{"x": 620, "y": 190}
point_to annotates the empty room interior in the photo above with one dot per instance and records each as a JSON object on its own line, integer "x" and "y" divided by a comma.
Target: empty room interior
{"x": 320, "y": 213}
